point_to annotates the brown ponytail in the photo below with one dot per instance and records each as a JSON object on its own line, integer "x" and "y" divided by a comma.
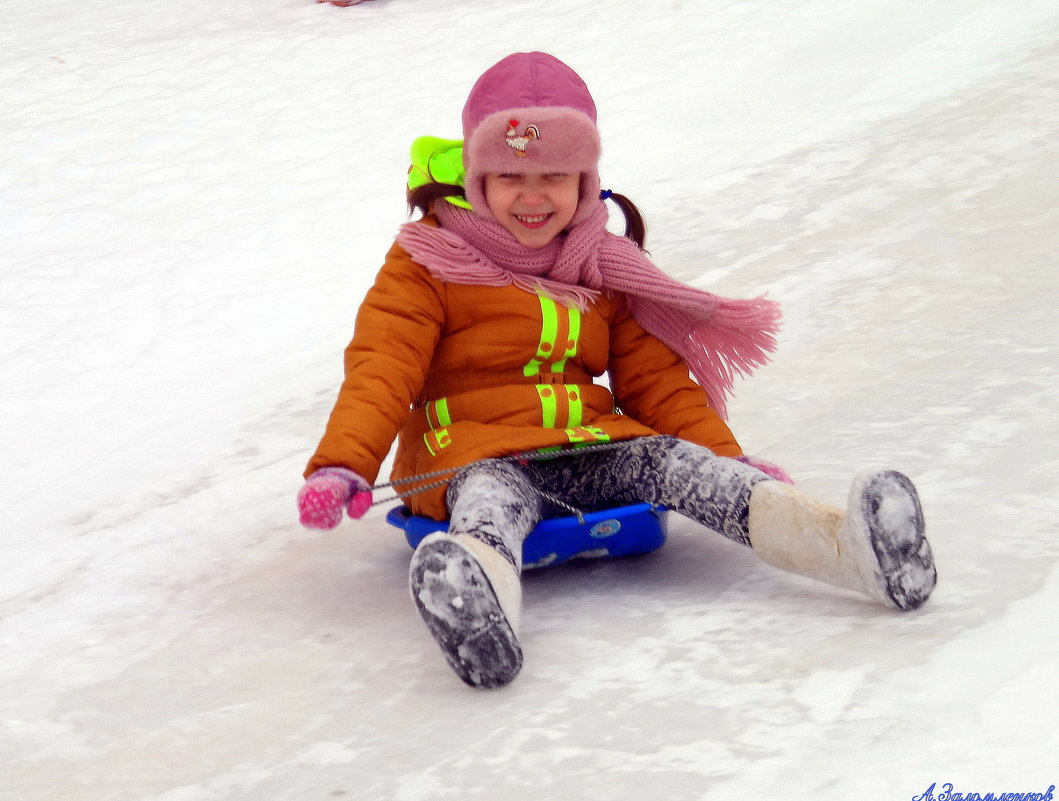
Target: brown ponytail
{"x": 635, "y": 226}
{"x": 423, "y": 197}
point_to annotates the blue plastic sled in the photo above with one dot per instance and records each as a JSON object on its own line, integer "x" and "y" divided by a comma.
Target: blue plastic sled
{"x": 621, "y": 531}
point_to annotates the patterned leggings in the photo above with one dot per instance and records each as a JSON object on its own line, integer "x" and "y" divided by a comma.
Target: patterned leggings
{"x": 500, "y": 502}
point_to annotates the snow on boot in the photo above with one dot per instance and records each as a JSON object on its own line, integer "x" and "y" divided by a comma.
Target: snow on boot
{"x": 877, "y": 547}
{"x": 469, "y": 596}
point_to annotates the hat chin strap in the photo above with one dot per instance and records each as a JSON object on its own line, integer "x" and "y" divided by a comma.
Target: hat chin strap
{"x": 589, "y": 200}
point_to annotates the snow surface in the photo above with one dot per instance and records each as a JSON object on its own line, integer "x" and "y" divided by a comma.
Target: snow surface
{"x": 194, "y": 197}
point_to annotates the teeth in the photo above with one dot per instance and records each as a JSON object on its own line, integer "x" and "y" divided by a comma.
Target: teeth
{"x": 537, "y": 219}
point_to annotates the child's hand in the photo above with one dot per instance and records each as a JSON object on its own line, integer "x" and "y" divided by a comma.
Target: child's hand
{"x": 768, "y": 468}
{"x": 327, "y": 491}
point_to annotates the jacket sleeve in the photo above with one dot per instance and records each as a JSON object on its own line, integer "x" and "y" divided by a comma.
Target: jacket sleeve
{"x": 397, "y": 329}
{"x": 652, "y": 385}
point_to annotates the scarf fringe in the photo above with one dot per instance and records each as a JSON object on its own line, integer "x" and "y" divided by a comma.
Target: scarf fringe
{"x": 735, "y": 341}
{"x": 577, "y": 296}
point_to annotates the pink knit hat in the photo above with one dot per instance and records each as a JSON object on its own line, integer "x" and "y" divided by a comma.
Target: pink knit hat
{"x": 530, "y": 112}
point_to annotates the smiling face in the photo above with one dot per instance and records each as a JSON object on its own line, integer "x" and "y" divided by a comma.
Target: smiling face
{"x": 534, "y": 207}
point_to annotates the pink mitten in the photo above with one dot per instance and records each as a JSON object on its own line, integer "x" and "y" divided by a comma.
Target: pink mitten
{"x": 768, "y": 468}
{"x": 327, "y": 491}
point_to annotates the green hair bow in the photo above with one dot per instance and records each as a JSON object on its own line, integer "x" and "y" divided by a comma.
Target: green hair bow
{"x": 437, "y": 160}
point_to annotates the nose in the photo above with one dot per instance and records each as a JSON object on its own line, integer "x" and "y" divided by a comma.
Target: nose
{"x": 533, "y": 191}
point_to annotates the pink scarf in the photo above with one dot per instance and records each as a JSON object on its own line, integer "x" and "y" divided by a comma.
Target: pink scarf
{"x": 716, "y": 337}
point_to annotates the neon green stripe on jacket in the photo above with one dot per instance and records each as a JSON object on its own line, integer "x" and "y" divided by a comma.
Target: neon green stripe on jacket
{"x": 549, "y": 335}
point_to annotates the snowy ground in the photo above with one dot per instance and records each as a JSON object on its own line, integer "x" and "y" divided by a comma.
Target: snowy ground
{"x": 193, "y": 199}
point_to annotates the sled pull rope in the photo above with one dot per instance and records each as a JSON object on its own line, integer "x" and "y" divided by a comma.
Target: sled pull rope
{"x": 546, "y": 495}
{"x": 443, "y": 476}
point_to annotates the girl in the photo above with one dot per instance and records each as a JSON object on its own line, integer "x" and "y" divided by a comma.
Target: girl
{"x": 481, "y": 338}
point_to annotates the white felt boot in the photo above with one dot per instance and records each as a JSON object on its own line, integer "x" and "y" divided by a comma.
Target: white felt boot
{"x": 876, "y": 547}
{"x": 470, "y": 597}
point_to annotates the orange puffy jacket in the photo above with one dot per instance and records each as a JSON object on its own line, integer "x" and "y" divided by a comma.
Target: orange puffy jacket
{"x": 460, "y": 373}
